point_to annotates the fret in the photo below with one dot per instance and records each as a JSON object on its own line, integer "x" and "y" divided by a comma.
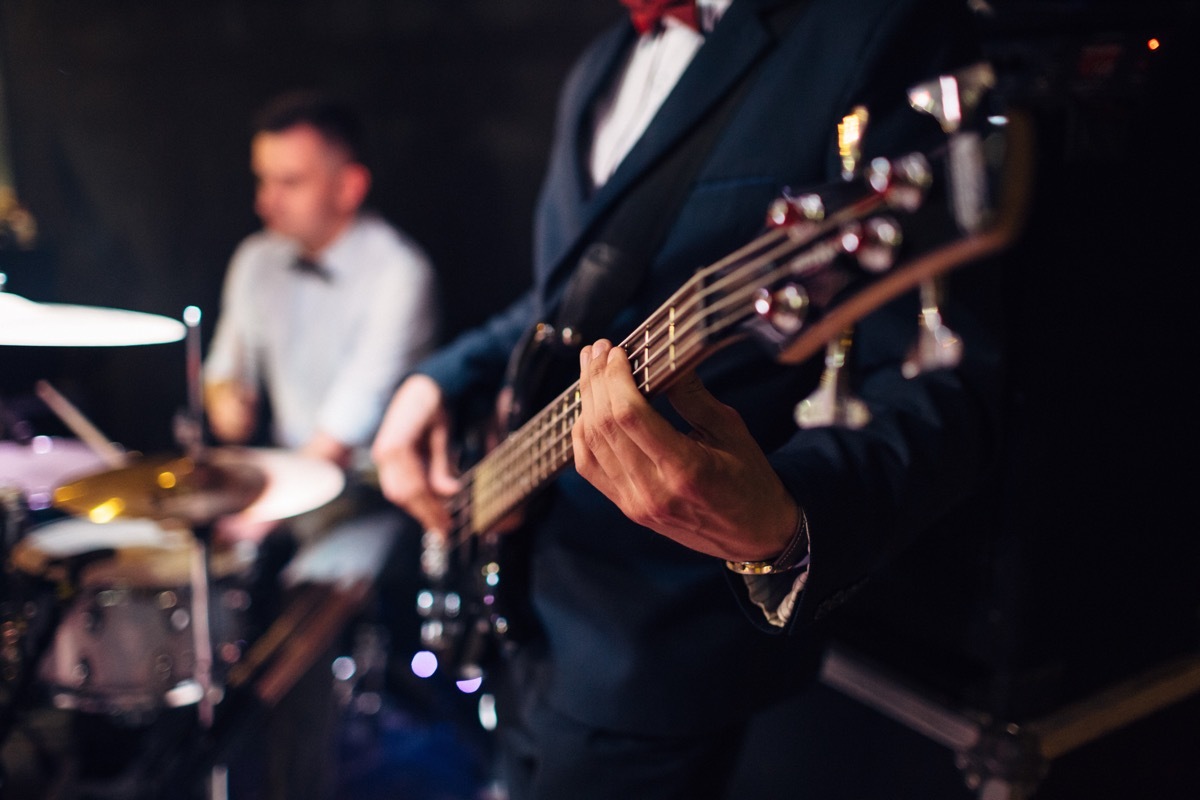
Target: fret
{"x": 671, "y": 340}
{"x": 646, "y": 362}
{"x": 541, "y": 446}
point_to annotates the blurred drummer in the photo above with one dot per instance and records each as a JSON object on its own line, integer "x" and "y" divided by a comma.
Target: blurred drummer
{"x": 321, "y": 313}
{"x": 326, "y": 307}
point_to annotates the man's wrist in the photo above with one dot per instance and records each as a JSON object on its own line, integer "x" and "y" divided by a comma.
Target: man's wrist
{"x": 792, "y": 556}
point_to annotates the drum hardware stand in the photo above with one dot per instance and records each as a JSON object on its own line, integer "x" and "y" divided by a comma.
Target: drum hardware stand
{"x": 189, "y": 431}
{"x": 201, "y": 628}
{"x": 165, "y": 774}
{"x": 1003, "y": 760}
{"x": 269, "y": 670}
{"x": 15, "y": 511}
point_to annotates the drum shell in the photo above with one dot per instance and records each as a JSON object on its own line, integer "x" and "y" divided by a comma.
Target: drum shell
{"x": 125, "y": 639}
{"x": 131, "y": 650}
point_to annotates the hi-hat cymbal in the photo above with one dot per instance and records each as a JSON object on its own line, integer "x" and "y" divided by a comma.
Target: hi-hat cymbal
{"x": 192, "y": 490}
{"x": 26, "y": 323}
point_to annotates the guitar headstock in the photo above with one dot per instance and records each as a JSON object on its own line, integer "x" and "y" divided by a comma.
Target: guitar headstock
{"x": 890, "y": 226}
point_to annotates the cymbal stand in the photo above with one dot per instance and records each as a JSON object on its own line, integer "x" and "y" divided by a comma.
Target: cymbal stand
{"x": 201, "y": 628}
{"x": 189, "y": 424}
{"x": 189, "y": 432}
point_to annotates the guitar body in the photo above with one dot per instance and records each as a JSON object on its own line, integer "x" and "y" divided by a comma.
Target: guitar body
{"x": 488, "y": 573}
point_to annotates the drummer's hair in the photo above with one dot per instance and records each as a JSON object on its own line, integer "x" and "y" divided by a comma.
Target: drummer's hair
{"x": 336, "y": 119}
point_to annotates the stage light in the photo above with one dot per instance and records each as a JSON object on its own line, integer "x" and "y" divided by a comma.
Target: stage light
{"x": 469, "y": 685}
{"x": 487, "y": 711}
{"x": 424, "y": 664}
{"x": 344, "y": 668}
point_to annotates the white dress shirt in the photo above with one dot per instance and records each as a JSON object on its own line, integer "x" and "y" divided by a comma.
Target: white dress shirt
{"x": 653, "y": 67}
{"x": 329, "y": 352}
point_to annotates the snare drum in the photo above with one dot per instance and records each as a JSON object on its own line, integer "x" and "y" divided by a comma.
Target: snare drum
{"x": 125, "y": 644}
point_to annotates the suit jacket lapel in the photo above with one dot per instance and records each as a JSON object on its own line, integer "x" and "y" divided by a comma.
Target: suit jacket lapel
{"x": 596, "y": 73}
{"x": 732, "y": 49}
{"x": 566, "y": 194}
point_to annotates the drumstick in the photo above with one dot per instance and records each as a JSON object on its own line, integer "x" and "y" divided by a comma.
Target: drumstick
{"x": 74, "y": 419}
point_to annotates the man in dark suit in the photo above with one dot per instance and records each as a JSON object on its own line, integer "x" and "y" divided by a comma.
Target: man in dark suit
{"x": 636, "y": 673}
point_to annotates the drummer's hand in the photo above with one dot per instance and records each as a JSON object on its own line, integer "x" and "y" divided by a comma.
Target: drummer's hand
{"x": 326, "y": 447}
{"x": 712, "y": 490}
{"x": 411, "y": 453}
{"x": 236, "y": 528}
{"x": 232, "y": 410}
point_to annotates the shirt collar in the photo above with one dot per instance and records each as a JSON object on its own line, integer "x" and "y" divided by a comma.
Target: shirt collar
{"x": 336, "y": 258}
{"x": 709, "y": 12}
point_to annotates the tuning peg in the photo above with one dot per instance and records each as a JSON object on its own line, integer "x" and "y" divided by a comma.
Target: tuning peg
{"x": 790, "y": 209}
{"x": 850, "y": 133}
{"x": 937, "y": 346}
{"x": 833, "y": 403}
{"x": 952, "y": 98}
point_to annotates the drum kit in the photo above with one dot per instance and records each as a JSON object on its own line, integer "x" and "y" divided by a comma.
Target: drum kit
{"x": 123, "y": 603}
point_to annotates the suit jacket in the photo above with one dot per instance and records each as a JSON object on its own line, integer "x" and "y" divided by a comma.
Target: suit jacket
{"x": 641, "y": 634}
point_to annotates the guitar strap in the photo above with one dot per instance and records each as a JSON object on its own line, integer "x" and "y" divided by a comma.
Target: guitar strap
{"x": 612, "y": 266}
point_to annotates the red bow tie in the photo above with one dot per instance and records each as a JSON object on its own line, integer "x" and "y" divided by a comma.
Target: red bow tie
{"x": 645, "y": 14}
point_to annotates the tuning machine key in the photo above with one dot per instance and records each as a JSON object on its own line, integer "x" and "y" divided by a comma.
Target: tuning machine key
{"x": 937, "y": 345}
{"x": 833, "y": 403}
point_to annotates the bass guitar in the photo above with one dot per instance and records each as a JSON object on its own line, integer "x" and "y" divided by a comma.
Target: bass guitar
{"x": 826, "y": 258}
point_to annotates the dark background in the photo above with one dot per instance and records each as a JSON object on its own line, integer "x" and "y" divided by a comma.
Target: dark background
{"x": 126, "y": 125}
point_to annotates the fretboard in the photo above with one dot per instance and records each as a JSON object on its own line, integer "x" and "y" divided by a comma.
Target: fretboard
{"x": 701, "y": 317}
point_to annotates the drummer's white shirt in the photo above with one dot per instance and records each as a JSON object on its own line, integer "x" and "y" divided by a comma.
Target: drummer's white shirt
{"x": 329, "y": 353}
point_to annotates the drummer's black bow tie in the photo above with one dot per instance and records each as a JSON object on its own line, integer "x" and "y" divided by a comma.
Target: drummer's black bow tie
{"x": 646, "y": 14}
{"x": 307, "y": 266}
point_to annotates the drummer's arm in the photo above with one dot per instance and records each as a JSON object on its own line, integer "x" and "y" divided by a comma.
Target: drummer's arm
{"x": 232, "y": 410}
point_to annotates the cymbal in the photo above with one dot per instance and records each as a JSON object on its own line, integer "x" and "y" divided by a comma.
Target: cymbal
{"x": 296, "y": 483}
{"x": 196, "y": 491}
{"x": 26, "y": 323}
{"x": 251, "y": 484}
